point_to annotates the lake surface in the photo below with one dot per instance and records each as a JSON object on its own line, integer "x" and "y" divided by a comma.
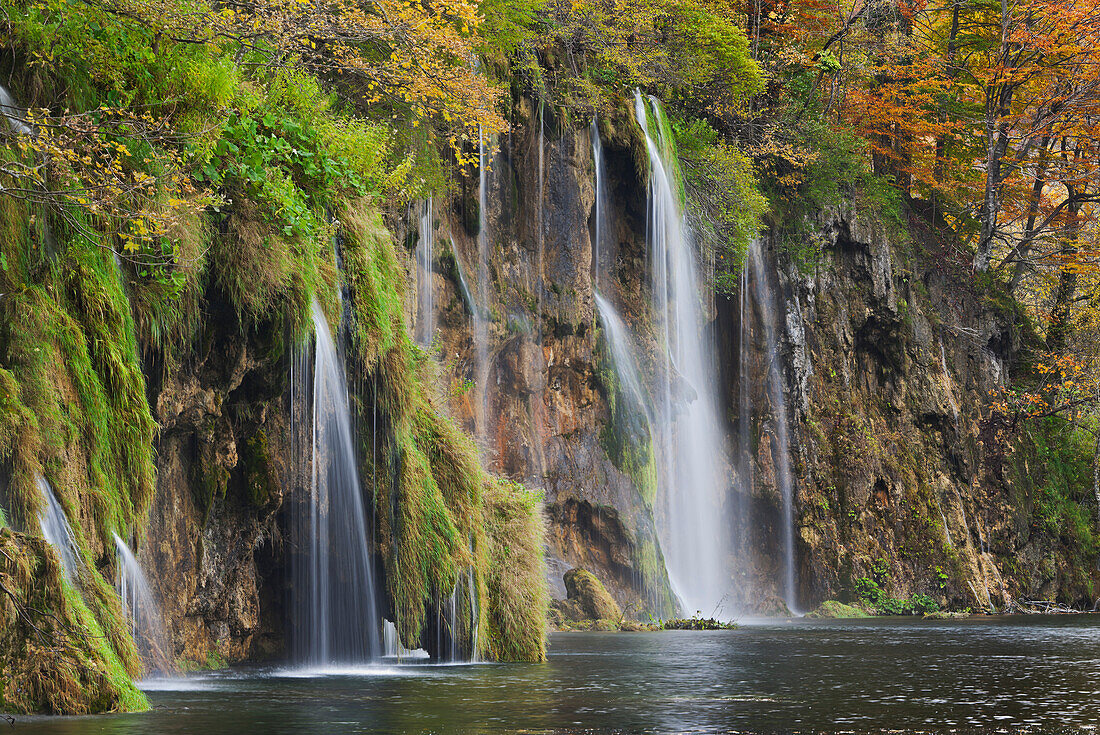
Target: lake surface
{"x": 975, "y": 675}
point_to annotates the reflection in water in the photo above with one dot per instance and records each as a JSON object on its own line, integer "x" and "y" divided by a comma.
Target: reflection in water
{"x": 864, "y": 676}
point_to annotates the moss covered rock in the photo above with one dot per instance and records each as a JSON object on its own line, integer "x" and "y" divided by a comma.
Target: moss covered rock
{"x": 54, "y": 657}
{"x": 834, "y": 609}
{"x": 589, "y": 595}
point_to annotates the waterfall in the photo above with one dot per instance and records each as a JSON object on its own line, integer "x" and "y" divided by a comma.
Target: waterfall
{"x": 618, "y": 338}
{"x": 56, "y": 530}
{"x": 696, "y": 536}
{"x": 12, "y": 112}
{"x": 601, "y": 204}
{"x": 481, "y": 314}
{"x": 541, "y": 238}
{"x": 781, "y": 455}
{"x": 146, "y": 621}
{"x": 425, "y": 308}
{"x": 475, "y": 615}
{"x": 336, "y": 611}
{"x": 464, "y": 286}
{"x": 744, "y": 405}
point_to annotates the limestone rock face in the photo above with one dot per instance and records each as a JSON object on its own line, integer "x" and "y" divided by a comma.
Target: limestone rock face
{"x": 223, "y": 453}
{"x": 536, "y": 394}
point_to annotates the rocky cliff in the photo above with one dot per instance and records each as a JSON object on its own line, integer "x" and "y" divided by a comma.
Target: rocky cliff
{"x": 888, "y": 352}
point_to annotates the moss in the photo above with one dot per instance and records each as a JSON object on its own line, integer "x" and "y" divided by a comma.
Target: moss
{"x": 259, "y": 476}
{"x": 518, "y": 596}
{"x": 429, "y": 504}
{"x": 835, "y": 609}
{"x": 593, "y": 598}
{"x": 54, "y": 656}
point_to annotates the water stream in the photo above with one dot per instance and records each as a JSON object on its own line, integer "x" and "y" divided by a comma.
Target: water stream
{"x": 140, "y": 604}
{"x": 336, "y": 613}
{"x": 482, "y": 313}
{"x": 425, "y": 257}
{"x": 781, "y": 450}
{"x": 695, "y": 534}
{"x": 56, "y": 529}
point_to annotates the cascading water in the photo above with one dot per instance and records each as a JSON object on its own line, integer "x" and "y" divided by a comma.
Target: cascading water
{"x": 425, "y": 308}
{"x": 481, "y": 314}
{"x": 618, "y": 338}
{"x": 336, "y": 611}
{"x": 781, "y": 456}
{"x": 146, "y": 621}
{"x": 56, "y": 530}
{"x": 12, "y": 112}
{"x": 601, "y": 205}
{"x": 744, "y": 405}
{"x": 541, "y": 238}
{"x": 464, "y": 286}
{"x": 695, "y": 533}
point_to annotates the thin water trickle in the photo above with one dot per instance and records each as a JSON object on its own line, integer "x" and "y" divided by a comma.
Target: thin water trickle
{"x": 541, "y": 237}
{"x": 56, "y": 529}
{"x": 695, "y": 536}
{"x": 622, "y": 357}
{"x": 781, "y": 450}
{"x": 744, "y": 406}
{"x": 481, "y": 313}
{"x": 12, "y": 112}
{"x": 336, "y": 612}
{"x": 425, "y": 306}
{"x": 140, "y": 604}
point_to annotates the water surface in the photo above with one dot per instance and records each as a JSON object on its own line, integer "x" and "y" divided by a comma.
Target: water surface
{"x": 976, "y": 675}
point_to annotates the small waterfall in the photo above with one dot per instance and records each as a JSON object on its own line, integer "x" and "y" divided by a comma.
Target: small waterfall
{"x": 482, "y": 314}
{"x": 744, "y": 404}
{"x": 335, "y": 607}
{"x": 601, "y": 204}
{"x": 541, "y": 239}
{"x": 622, "y": 355}
{"x": 391, "y": 644}
{"x": 56, "y": 530}
{"x": 13, "y": 113}
{"x": 781, "y": 455}
{"x": 464, "y": 286}
{"x": 622, "y": 346}
{"x": 475, "y": 615}
{"x": 146, "y": 621}
{"x": 695, "y": 533}
{"x": 425, "y": 307}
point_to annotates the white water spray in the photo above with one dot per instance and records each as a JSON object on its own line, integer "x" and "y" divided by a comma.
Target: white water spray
{"x": 481, "y": 313}
{"x": 140, "y": 604}
{"x": 335, "y": 607}
{"x": 56, "y": 529}
{"x": 781, "y": 455}
{"x": 695, "y": 535}
{"x": 425, "y": 257}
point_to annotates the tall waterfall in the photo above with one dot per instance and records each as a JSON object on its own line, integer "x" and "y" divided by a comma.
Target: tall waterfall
{"x": 541, "y": 237}
{"x": 601, "y": 205}
{"x": 481, "y": 314}
{"x": 337, "y": 615}
{"x": 781, "y": 455}
{"x": 56, "y": 530}
{"x": 694, "y": 530}
{"x": 140, "y": 604}
{"x": 425, "y": 307}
